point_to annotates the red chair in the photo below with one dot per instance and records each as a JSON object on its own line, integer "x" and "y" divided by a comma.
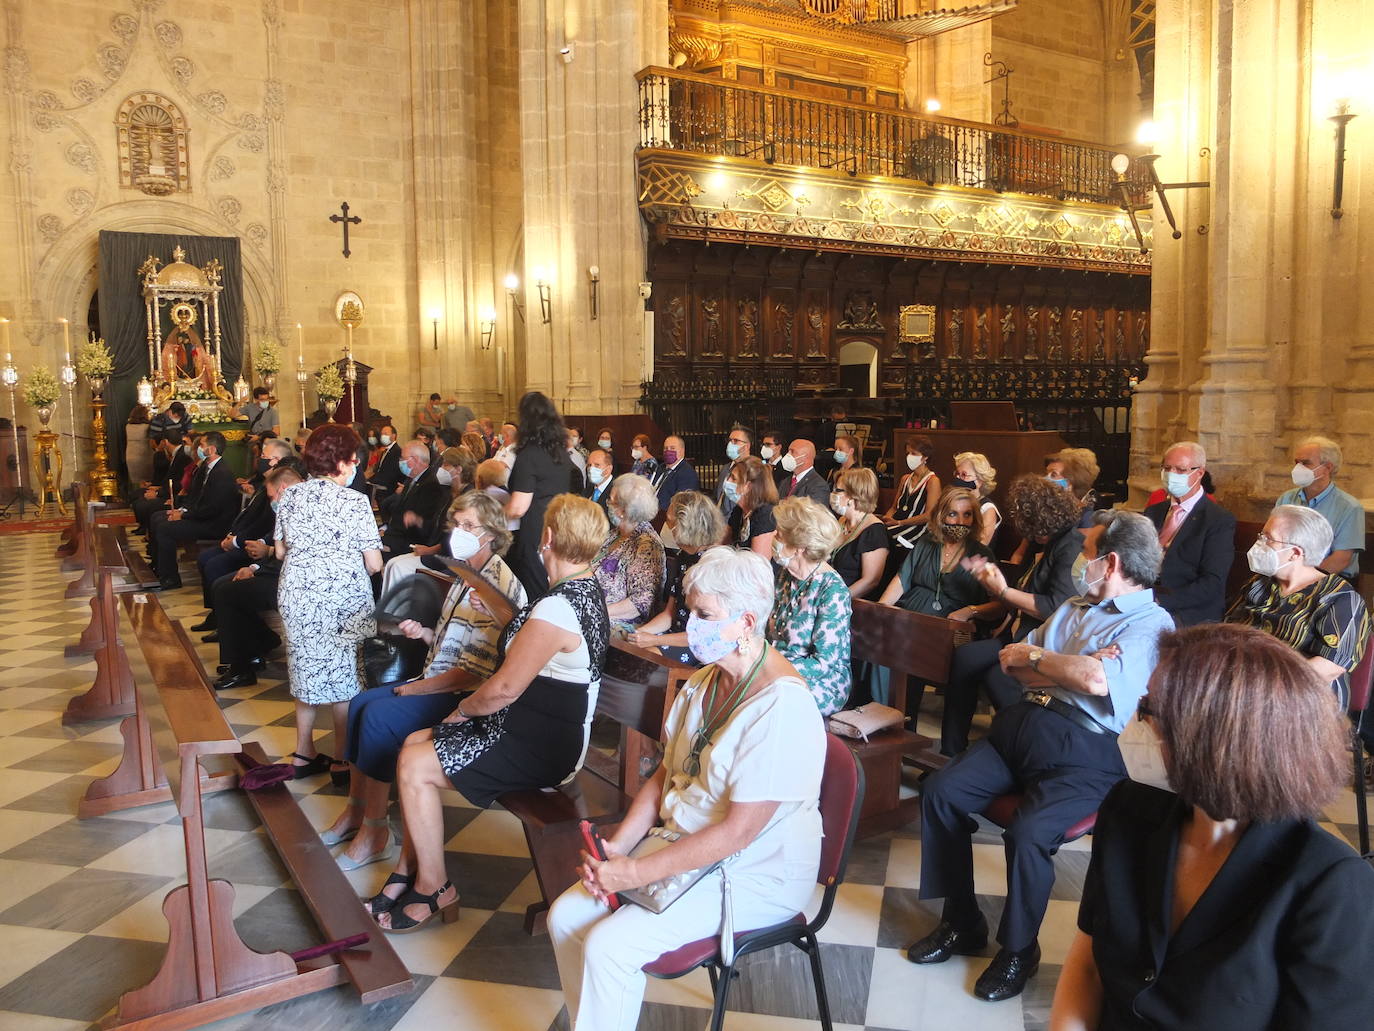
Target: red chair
{"x": 842, "y": 792}
{"x": 1361, "y": 681}
{"x": 1002, "y": 810}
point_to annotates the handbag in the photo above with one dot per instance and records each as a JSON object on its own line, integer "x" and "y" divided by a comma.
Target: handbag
{"x": 390, "y": 659}
{"x": 864, "y": 721}
{"x": 659, "y": 895}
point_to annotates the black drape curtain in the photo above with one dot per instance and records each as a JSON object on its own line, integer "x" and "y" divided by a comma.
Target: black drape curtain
{"x": 124, "y": 324}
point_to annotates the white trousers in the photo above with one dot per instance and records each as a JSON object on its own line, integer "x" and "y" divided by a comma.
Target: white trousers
{"x": 601, "y": 954}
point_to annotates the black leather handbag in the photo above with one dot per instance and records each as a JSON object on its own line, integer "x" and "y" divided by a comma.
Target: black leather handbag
{"x": 390, "y": 658}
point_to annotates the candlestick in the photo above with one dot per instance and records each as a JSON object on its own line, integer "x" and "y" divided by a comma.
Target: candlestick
{"x": 5, "y": 323}
{"x": 68, "y": 376}
{"x": 66, "y": 335}
{"x": 300, "y": 337}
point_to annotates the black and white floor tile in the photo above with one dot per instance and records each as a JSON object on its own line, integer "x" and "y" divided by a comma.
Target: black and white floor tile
{"x": 80, "y": 914}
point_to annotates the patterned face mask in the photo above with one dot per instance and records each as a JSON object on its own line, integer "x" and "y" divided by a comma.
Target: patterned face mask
{"x": 704, "y": 638}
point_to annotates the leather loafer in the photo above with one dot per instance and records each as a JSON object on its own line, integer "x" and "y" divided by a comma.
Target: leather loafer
{"x": 211, "y": 638}
{"x": 1007, "y": 974}
{"x": 208, "y": 623}
{"x": 169, "y": 583}
{"x": 946, "y": 941}
{"x": 256, "y": 663}
{"x": 232, "y": 680}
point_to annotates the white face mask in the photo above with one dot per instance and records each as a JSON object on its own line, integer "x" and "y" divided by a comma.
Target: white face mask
{"x": 1264, "y": 560}
{"x": 837, "y": 506}
{"x": 789, "y": 463}
{"x": 1143, "y": 753}
{"x": 463, "y": 544}
{"x": 1175, "y": 483}
{"x": 780, "y": 555}
{"x": 604, "y": 444}
{"x": 637, "y": 454}
{"x": 443, "y": 476}
{"x": 766, "y": 453}
{"x": 913, "y": 462}
{"x": 1081, "y": 583}
{"x": 1302, "y": 476}
{"x": 386, "y": 438}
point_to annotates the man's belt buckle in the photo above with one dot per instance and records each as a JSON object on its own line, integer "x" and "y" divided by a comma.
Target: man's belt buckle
{"x": 1041, "y": 698}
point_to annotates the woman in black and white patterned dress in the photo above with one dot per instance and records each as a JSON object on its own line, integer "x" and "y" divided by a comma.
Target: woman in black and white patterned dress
{"x": 526, "y": 727}
{"x": 327, "y": 540}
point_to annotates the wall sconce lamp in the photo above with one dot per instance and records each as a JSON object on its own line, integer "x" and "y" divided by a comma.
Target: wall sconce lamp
{"x": 434, "y": 316}
{"x": 593, "y": 281}
{"x": 1342, "y": 119}
{"x": 541, "y": 284}
{"x": 487, "y": 324}
{"x": 1121, "y": 164}
{"x": 512, "y": 285}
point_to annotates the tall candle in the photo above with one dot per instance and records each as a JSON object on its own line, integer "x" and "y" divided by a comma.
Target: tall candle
{"x": 66, "y": 335}
{"x": 6, "y": 324}
{"x": 300, "y": 340}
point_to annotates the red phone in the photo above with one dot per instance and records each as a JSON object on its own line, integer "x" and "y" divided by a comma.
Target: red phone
{"x": 592, "y": 840}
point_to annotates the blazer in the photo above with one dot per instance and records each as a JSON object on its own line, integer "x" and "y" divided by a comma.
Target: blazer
{"x": 428, "y": 499}
{"x": 1192, "y": 580}
{"x": 213, "y": 498}
{"x": 256, "y": 522}
{"x": 1280, "y": 939}
{"x": 813, "y": 486}
{"x": 680, "y": 477}
{"x": 589, "y": 491}
{"x": 388, "y": 471}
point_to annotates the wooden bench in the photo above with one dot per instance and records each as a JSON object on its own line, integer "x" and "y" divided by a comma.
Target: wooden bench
{"x": 83, "y": 555}
{"x": 112, "y": 692}
{"x": 72, "y": 550}
{"x": 208, "y": 973}
{"x": 911, "y": 645}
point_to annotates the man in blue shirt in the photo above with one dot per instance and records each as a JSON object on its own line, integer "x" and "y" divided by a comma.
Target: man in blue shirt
{"x": 1083, "y": 671}
{"x": 1315, "y": 463}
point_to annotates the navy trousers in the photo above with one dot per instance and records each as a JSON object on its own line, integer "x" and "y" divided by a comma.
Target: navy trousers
{"x": 216, "y": 562}
{"x": 379, "y": 723}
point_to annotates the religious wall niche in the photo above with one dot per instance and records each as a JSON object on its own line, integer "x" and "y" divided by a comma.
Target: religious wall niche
{"x": 153, "y": 154}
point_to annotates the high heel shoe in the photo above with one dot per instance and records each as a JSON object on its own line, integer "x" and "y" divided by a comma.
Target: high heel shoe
{"x": 319, "y": 764}
{"x": 330, "y": 838}
{"x": 382, "y": 902}
{"x": 387, "y": 852}
{"x": 447, "y": 914}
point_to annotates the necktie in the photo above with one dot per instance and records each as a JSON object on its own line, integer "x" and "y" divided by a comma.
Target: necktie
{"x": 1171, "y": 525}
{"x": 792, "y": 487}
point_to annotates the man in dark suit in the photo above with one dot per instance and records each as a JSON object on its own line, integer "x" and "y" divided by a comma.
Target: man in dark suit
{"x": 242, "y": 597}
{"x": 1198, "y": 537}
{"x": 738, "y": 447}
{"x": 388, "y": 471}
{"x": 176, "y": 456}
{"x": 417, "y": 506}
{"x": 248, "y": 536}
{"x": 771, "y": 451}
{"x": 676, "y": 474}
{"x": 205, "y": 513}
{"x": 803, "y": 481}
{"x": 599, "y": 476}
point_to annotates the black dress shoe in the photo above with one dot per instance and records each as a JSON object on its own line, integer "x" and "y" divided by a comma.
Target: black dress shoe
{"x": 1007, "y": 974}
{"x": 231, "y": 680}
{"x": 211, "y": 638}
{"x": 170, "y": 583}
{"x": 256, "y": 663}
{"x": 208, "y": 623}
{"x": 946, "y": 941}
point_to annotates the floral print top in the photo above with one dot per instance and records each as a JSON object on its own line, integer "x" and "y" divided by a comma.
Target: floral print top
{"x": 810, "y": 626}
{"x": 633, "y": 567}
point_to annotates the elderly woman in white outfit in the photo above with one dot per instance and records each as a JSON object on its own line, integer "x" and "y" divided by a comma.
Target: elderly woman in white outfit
{"x": 740, "y": 780}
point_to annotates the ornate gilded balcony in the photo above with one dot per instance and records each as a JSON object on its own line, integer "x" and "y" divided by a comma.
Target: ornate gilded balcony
{"x": 727, "y": 162}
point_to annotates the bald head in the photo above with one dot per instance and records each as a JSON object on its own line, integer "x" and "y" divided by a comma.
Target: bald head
{"x": 803, "y": 452}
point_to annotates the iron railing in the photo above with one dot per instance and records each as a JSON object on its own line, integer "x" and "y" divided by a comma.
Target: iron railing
{"x": 704, "y": 115}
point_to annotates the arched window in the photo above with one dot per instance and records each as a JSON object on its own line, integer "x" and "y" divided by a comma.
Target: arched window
{"x": 152, "y": 145}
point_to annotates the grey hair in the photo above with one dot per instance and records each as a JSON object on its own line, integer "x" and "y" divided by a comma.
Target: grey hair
{"x": 636, "y": 496}
{"x": 1328, "y": 451}
{"x": 742, "y": 580}
{"x": 1305, "y": 528}
{"x": 1135, "y": 541}
{"x": 283, "y": 447}
{"x": 1193, "y": 448}
{"x": 697, "y": 522}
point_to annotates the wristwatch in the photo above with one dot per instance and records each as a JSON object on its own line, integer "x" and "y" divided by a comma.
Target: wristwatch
{"x": 1035, "y": 655}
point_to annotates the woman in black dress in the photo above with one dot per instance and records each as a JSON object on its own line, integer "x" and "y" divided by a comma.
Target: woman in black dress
{"x": 542, "y": 470}
{"x": 750, "y": 485}
{"x": 862, "y": 553}
{"x": 526, "y": 727}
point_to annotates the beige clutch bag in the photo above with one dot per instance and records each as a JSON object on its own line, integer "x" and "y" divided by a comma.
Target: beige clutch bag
{"x": 864, "y": 721}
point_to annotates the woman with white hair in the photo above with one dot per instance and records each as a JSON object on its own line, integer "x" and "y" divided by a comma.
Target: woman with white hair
{"x": 1316, "y": 613}
{"x": 631, "y": 565}
{"x": 810, "y": 622}
{"x": 740, "y": 779}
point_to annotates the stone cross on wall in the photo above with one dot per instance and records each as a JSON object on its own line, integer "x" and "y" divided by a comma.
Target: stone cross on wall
{"x": 345, "y": 218}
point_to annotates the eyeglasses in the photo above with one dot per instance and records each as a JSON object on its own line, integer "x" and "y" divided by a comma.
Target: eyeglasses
{"x": 1179, "y": 469}
{"x": 476, "y": 529}
{"x": 1264, "y": 538}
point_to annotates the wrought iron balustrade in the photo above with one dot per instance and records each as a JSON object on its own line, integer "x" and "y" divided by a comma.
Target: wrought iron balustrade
{"x": 688, "y": 112}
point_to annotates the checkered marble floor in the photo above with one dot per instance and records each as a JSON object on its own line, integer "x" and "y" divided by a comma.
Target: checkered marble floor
{"x": 80, "y": 913}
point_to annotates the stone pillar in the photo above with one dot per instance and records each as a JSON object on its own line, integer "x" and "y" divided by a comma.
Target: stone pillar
{"x": 950, "y": 68}
{"x": 579, "y": 134}
{"x": 1259, "y": 327}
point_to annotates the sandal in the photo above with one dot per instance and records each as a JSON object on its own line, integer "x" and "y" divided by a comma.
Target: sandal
{"x": 319, "y": 764}
{"x": 382, "y": 902}
{"x": 447, "y": 914}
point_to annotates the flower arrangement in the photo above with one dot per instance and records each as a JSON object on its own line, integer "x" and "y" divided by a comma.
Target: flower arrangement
{"x": 269, "y": 357}
{"x": 41, "y": 390}
{"x": 94, "y": 360}
{"x": 328, "y": 384}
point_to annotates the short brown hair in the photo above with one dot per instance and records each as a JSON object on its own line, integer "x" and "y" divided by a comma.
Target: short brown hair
{"x": 1040, "y": 509}
{"x": 329, "y": 445}
{"x": 491, "y": 473}
{"x": 758, "y": 475}
{"x": 860, "y": 486}
{"x": 287, "y": 471}
{"x": 578, "y": 526}
{"x": 922, "y": 444}
{"x": 1250, "y": 731}
{"x": 947, "y": 501}
{"x": 461, "y": 459}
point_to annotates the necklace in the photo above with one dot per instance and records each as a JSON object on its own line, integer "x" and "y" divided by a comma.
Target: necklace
{"x": 782, "y": 615}
{"x": 940, "y": 576}
{"x": 692, "y": 764}
{"x": 849, "y": 536}
{"x": 571, "y": 576}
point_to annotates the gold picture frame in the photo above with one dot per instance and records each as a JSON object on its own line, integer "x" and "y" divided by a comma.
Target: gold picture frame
{"x": 916, "y": 323}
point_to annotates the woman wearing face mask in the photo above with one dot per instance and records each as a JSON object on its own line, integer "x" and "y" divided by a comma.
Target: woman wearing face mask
{"x": 1076, "y": 470}
{"x": 908, "y": 515}
{"x": 462, "y": 654}
{"x": 740, "y": 778}
{"x": 974, "y": 472}
{"x": 848, "y": 454}
{"x": 645, "y": 464}
{"x": 605, "y": 440}
{"x": 810, "y": 620}
{"x": 750, "y": 486}
{"x": 630, "y": 567}
{"x": 861, "y": 555}
{"x": 526, "y": 726}
{"x": 1209, "y": 874}
{"x": 1315, "y": 612}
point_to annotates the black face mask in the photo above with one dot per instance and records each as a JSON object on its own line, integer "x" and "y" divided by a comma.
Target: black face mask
{"x": 966, "y": 484}
{"x": 263, "y": 465}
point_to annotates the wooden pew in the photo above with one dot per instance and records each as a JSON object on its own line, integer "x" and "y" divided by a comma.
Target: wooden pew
{"x": 640, "y": 710}
{"x": 208, "y": 973}
{"x": 112, "y": 693}
{"x": 83, "y": 556}
{"x": 911, "y": 645}
{"x": 72, "y": 549}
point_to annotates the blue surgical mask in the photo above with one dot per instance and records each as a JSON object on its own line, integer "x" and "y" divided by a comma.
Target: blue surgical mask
{"x": 704, "y": 638}
{"x": 200, "y": 453}
{"x": 732, "y": 451}
{"x": 595, "y": 474}
{"x": 731, "y": 490}
{"x": 1175, "y": 483}
{"x": 1058, "y": 481}
{"x": 405, "y": 468}
{"x": 615, "y": 517}
{"x": 264, "y": 405}
{"x": 841, "y": 456}
{"x": 276, "y": 505}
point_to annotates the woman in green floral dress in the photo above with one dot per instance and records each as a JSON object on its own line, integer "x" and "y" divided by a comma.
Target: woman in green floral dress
{"x": 810, "y": 621}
